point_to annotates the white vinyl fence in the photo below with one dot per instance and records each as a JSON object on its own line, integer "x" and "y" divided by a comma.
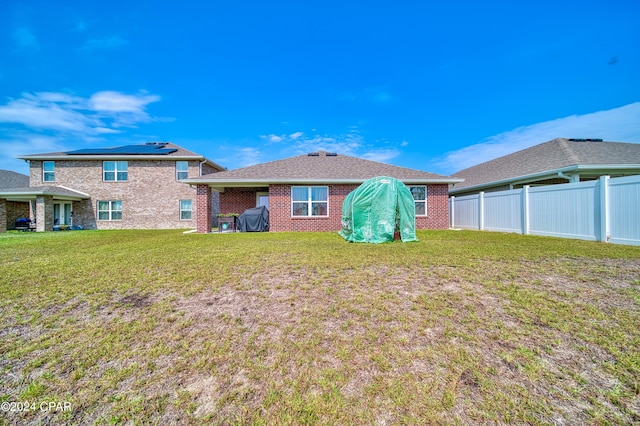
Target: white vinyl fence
{"x": 607, "y": 209}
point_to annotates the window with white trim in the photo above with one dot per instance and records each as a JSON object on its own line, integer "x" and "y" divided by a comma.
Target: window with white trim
{"x": 309, "y": 201}
{"x": 182, "y": 170}
{"x": 186, "y": 211}
{"x": 48, "y": 171}
{"x": 110, "y": 210}
{"x": 420, "y": 197}
{"x": 113, "y": 171}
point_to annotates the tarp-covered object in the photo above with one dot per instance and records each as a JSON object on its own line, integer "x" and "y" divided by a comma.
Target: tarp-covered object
{"x": 254, "y": 220}
{"x": 372, "y": 212}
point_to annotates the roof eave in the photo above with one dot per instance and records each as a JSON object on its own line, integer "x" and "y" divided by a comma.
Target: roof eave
{"x": 32, "y": 195}
{"x": 547, "y": 173}
{"x": 116, "y": 157}
{"x": 229, "y": 183}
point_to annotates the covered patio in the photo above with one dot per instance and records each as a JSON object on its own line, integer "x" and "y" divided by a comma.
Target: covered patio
{"x": 48, "y": 206}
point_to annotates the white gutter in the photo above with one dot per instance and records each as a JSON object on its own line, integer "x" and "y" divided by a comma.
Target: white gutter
{"x": 550, "y": 174}
{"x": 69, "y": 157}
{"x": 266, "y": 182}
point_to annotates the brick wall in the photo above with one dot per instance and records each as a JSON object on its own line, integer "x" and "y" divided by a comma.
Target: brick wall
{"x": 237, "y": 200}
{"x": 280, "y": 210}
{"x": 203, "y": 213}
{"x": 150, "y": 197}
{"x": 3, "y": 215}
{"x": 437, "y": 209}
{"x": 15, "y": 210}
{"x": 44, "y": 213}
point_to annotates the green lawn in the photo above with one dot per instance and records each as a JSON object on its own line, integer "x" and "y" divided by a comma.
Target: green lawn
{"x": 158, "y": 327}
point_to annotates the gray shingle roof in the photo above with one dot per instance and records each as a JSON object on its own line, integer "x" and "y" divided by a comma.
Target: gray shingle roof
{"x": 322, "y": 167}
{"x": 549, "y": 156}
{"x": 179, "y": 152}
{"x": 10, "y": 179}
{"x": 56, "y": 191}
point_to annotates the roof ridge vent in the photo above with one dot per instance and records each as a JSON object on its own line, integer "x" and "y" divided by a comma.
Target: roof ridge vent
{"x": 584, "y": 140}
{"x": 331, "y": 154}
{"x": 313, "y": 154}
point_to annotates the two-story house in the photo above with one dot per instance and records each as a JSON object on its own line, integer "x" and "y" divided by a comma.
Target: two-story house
{"x": 125, "y": 187}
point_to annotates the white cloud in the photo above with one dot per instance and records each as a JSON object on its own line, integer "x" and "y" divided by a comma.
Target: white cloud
{"x": 125, "y": 110}
{"x": 47, "y": 111}
{"x": 272, "y": 138}
{"x": 110, "y": 101}
{"x": 349, "y": 143}
{"x": 249, "y": 156}
{"x": 103, "y": 112}
{"x": 382, "y": 155}
{"x": 46, "y": 121}
{"x": 616, "y": 125}
{"x": 22, "y": 143}
{"x": 295, "y": 135}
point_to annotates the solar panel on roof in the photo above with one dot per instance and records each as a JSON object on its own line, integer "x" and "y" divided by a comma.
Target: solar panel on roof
{"x": 125, "y": 150}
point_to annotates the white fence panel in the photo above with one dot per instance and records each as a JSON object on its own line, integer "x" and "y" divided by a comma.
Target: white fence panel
{"x": 602, "y": 210}
{"x": 502, "y": 211}
{"x": 466, "y": 212}
{"x": 624, "y": 210}
{"x": 563, "y": 210}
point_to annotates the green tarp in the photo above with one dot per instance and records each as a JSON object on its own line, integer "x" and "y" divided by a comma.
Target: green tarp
{"x": 372, "y": 212}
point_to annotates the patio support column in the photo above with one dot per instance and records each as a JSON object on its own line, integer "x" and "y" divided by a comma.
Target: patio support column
{"x": 3, "y": 215}
{"x": 44, "y": 213}
{"x": 204, "y": 212}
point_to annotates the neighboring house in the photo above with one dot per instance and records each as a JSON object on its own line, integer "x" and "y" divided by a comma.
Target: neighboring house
{"x": 306, "y": 192}
{"x": 554, "y": 162}
{"x": 126, "y": 187}
{"x": 12, "y": 209}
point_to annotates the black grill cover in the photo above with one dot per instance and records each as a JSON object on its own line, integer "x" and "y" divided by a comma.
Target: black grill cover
{"x": 254, "y": 220}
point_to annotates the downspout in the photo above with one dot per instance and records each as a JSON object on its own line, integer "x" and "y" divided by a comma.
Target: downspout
{"x": 569, "y": 178}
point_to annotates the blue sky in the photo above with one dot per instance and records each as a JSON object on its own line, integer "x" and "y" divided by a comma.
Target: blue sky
{"x": 436, "y": 87}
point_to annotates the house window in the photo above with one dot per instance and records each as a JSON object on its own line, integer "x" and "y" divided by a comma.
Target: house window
{"x": 110, "y": 210}
{"x": 182, "y": 170}
{"x": 420, "y": 197}
{"x": 309, "y": 201}
{"x": 185, "y": 210}
{"x": 48, "y": 171}
{"x": 115, "y": 171}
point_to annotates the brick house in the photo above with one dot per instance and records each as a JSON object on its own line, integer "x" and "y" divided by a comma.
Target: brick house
{"x": 306, "y": 192}
{"x": 126, "y": 187}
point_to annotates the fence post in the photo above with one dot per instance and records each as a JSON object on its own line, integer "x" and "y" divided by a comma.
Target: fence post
{"x": 604, "y": 209}
{"x": 524, "y": 205}
{"x": 452, "y": 211}
{"x": 481, "y": 211}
